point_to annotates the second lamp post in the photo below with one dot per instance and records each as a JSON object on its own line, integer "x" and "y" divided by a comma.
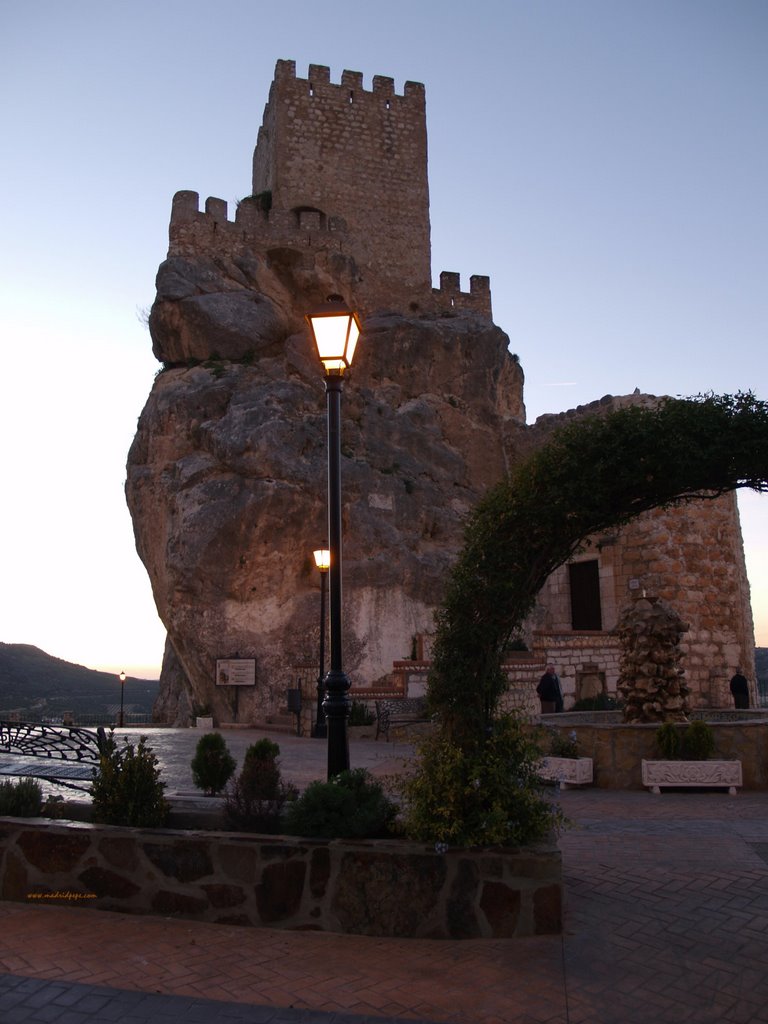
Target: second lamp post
{"x": 335, "y": 330}
{"x": 323, "y": 562}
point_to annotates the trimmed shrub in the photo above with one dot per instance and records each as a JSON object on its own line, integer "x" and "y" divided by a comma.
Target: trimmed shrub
{"x": 352, "y": 805}
{"x": 360, "y": 714}
{"x": 22, "y": 798}
{"x": 698, "y": 742}
{"x": 213, "y": 765}
{"x": 255, "y": 802}
{"x": 668, "y": 741}
{"x": 127, "y": 789}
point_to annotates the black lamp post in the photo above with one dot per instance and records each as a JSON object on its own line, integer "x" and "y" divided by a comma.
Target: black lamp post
{"x": 322, "y": 561}
{"x": 335, "y": 330}
{"x": 121, "y": 677}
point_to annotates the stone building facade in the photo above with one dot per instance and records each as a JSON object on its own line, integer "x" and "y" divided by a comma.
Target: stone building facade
{"x": 225, "y": 476}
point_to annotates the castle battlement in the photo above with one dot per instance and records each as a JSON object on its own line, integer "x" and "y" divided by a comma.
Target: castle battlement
{"x": 318, "y": 81}
{"x": 338, "y": 171}
{"x": 255, "y": 230}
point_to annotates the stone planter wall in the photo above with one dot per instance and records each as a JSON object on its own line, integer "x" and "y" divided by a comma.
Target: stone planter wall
{"x": 618, "y": 750}
{"x": 372, "y": 887}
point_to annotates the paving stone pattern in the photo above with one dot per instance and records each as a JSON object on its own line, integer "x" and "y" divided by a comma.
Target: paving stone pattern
{"x": 666, "y": 921}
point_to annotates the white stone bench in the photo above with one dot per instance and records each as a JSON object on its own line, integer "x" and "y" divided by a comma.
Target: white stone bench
{"x": 691, "y": 774}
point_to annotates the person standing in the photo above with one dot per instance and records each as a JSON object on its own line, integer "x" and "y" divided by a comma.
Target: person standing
{"x": 740, "y": 690}
{"x": 550, "y": 694}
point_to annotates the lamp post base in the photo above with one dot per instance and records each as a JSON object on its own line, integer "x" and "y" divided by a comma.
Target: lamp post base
{"x": 336, "y": 707}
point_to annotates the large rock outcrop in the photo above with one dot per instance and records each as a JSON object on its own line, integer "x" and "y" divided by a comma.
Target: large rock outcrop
{"x": 227, "y": 474}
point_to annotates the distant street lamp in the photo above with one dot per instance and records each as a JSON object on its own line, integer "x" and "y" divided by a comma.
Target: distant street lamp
{"x": 335, "y": 330}
{"x": 322, "y": 561}
{"x": 121, "y": 677}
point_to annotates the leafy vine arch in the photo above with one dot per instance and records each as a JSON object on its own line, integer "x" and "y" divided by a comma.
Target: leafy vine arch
{"x": 591, "y": 475}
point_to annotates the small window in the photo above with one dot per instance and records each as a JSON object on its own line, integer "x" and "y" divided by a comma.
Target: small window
{"x": 584, "y": 578}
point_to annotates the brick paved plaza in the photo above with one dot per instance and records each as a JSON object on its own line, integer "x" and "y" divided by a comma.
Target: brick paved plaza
{"x": 666, "y": 921}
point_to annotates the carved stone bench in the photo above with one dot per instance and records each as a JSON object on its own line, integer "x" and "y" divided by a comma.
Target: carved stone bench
{"x": 689, "y": 774}
{"x": 401, "y": 711}
{"x": 59, "y": 754}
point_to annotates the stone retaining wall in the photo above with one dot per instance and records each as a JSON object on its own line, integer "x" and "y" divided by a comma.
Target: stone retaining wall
{"x": 617, "y": 750}
{"x": 372, "y": 887}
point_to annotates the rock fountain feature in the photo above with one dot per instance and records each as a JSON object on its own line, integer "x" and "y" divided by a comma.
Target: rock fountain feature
{"x": 651, "y": 680}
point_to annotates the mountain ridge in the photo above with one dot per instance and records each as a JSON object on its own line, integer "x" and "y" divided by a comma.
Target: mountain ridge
{"x": 36, "y": 684}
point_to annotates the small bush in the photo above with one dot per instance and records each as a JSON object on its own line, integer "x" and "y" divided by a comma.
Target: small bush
{"x": 694, "y": 743}
{"x": 213, "y": 765}
{"x": 698, "y": 742}
{"x": 600, "y": 702}
{"x": 352, "y": 805}
{"x": 359, "y": 714}
{"x": 561, "y": 745}
{"x": 21, "y": 799}
{"x": 255, "y": 802}
{"x": 668, "y": 741}
{"x": 484, "y": 795}
{"x": 127, "y": 789}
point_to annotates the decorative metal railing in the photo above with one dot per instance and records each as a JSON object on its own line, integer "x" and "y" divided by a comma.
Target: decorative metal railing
{"x": 63, "y": 743}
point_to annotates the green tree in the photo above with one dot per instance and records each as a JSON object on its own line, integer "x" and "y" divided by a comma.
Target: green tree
{"x": 593, "y": 474}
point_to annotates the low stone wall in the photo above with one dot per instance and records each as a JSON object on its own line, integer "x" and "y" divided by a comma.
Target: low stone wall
{"x": 617, "y": 750}
{"x": 372, "y": 887}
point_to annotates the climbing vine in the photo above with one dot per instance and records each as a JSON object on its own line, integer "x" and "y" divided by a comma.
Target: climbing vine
{"x": 591, "y": 475}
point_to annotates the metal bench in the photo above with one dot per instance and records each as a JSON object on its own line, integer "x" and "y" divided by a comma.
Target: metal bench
{"x": 402, "y": 711}
{"x": 58, "y": 754}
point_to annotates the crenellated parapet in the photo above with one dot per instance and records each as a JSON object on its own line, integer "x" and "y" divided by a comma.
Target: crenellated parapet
{"x": 349, "y": 90}
{"x": 449, "y": 298}
{"x": 256, "y": 229}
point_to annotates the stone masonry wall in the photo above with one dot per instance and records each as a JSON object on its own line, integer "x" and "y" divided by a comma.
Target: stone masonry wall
{"x": 382, "y": 888}
{"x": 617, "y": 750}
{"x": 693, "y": 559}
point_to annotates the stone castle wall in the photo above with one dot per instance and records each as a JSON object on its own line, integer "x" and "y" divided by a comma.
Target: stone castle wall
{"x": 323, "y": 151}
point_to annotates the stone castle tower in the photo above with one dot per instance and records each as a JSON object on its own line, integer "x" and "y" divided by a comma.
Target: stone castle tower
{"x": 226, "y": 475}
{"x": 323, "y": 152}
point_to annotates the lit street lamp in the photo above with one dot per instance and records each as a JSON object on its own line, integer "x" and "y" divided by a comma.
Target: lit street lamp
{"x": 322, "y": 561}
{"x": 335, "y": 330}
{"x": 121, "y": 677}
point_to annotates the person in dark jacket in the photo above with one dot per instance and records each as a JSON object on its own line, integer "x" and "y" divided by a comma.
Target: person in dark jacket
{"x": 550, "y": 694}
{"x": 740, "y": 690}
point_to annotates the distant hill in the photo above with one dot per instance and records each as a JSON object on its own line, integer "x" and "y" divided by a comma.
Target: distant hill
{"x": 39, "y": 686}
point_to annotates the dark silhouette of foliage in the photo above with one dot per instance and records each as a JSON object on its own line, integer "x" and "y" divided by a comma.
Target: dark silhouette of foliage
{"x": 255, "y": 801}
{"x": 212, "y": 765}
{"x": 352, "y": 805}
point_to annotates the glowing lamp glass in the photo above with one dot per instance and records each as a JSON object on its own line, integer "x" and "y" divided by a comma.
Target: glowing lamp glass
{"x": 322, "y": 560}
{"x": 335, "y": 330}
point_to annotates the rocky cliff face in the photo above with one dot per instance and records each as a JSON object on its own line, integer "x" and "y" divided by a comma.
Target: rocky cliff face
{"x": 227, "y": 474}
